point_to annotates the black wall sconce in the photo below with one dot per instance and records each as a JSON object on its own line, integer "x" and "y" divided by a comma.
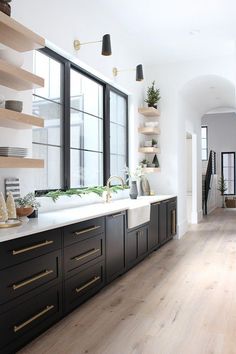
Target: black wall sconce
{"x": 106, "y": 44}
{"x": 139, "y": 72}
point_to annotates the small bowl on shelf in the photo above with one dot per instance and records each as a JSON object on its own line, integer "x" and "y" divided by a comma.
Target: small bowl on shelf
{"x": 12, "y": 57}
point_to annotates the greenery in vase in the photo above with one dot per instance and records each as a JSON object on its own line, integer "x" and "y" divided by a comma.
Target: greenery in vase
{"x": 134, "y": 175}
{"x": 222, "y": 187}
{"x": 28, "y": 200}
{"x": 83, "y": 191}
{"x": 153, "y": 95}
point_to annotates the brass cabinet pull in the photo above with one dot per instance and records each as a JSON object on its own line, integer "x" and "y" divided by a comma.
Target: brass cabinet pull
{"x": 27, "y": 249}
{"x": 77, "y": 233}
{"x": 31, "y": 280}
{"x": 78, "y": 290}
{"x": 116, "y": 215}
{"x": 26, "y": 323}
{"x": 87, "y": 254}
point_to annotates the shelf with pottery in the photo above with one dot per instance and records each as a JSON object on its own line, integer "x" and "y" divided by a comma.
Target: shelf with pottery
{"x": 18, "y": 37}
{"x": 20, "y": 162}
{"x": 149, "y": 130}
{"x": 149, "y": 150}
{"x": 17, "y": 120}
{"x": 149, "y": 111}
{"x": 18, "y": 79}
{"x": 151, "y": 169}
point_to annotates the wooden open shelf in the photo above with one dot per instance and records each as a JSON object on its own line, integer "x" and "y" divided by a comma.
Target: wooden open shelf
{"x": 16, "y": 120}
{"x": 20, "y": 162}
{"x": 149, "y": 150}
{"x": 17, "y": 36}
{"x": 149, "y": 111}
{"x": 151, "y": 169}
{"x": 18, "y": 79}
{"x": 149, "y": 131}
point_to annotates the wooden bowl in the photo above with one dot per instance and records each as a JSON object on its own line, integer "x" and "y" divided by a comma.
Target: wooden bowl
{"x": 24, "y": 211}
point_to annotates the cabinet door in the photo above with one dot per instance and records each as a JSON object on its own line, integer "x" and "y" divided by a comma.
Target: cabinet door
{"x": 142, "y": 235}
{"x": 131, "y": 251}
{"x": 163, "y": 222}
{"x": 172, "y": 217}
{"x": 153, "y": 228}
{"x": 115, "y": 245}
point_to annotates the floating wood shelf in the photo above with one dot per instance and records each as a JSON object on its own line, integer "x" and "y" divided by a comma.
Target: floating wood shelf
{"x": 149, "y": 131}
{"x": 149, "y": 111}
{"x": 149, "y": 150}
{"x": 20, "y": 162}
{"x": 151, "y": 169}
{"x": 17, "y": 36}
{"x": 16, "y": 120}
{"x": 18, "y": 79}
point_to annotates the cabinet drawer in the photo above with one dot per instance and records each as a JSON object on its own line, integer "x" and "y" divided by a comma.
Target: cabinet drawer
{"x": 83, "y": 285}
{"x": 19, "y": 325}
{"x": 22, "y": 278}
{"x": 77, "y": 232}
{"x": 29, "y": 247}
{"x": 79, "y": 254}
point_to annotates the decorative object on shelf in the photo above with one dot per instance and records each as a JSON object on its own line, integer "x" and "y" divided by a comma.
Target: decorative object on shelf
{"x": 106, "y": 44}
{"x": 12, "y": 185}
{"x": 144, "y": 186}
{"x": 3, "y": 209}
{"x": 26, "y": 205}
{"x": 148, "y": 143}
{"x": 11, "y": 207}
{"x": 139, "y": 72}
{"x": 155, "y": 161}
{"x": 144, "y": 163}
{"x": 13, "y": 151}
{"x": 5, "y": 7}
{"x": 14, "y": 105}
{"x": 12, "y": 57}
{"x": 153, "y": 96}
{"x": 133, "y": 190}
{"x": 151, "y": 124}
{"x": 222, "y": 187}
{"x": 154, "y": 143}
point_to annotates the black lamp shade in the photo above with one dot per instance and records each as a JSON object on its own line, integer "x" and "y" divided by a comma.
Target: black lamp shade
{"x": 139, "y": 72}
{"x": 106, "y": 45}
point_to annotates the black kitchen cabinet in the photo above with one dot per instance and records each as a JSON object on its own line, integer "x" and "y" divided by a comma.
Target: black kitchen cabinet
{"x": 136, "y": 246}
{"x": 167, "y": 220}
{"x": 115, "y": 245}
{"x": 153, "y": 236}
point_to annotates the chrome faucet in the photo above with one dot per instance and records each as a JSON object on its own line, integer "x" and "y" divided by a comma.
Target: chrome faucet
{"x": 108, "y": 195}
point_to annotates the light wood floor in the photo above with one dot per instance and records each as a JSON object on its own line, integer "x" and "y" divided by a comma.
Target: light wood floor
{"x": 180, "y": 300}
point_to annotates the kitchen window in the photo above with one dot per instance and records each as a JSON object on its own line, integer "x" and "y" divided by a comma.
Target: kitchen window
{"x": 86, "y": 126}
{"x": 228, "y": 171}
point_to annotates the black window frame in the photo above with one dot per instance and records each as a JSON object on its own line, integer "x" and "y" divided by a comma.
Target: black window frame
{"x": 222, "y": 168}
{"x": 66, "y": 66}
{"x": 205, "y": 127}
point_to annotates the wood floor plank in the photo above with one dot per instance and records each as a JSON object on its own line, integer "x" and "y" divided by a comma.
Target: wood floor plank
{"x": 180, "y": 300}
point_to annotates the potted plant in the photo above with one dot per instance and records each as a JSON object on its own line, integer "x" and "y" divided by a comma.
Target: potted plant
{"x": 153, "y": 96}
{"x": 144, "y": 163}
{"x": 5, "y": 7}
{"x": 27, "y": 205}
{"x": 154, "y": 143}
{"x": 222, "y": 187}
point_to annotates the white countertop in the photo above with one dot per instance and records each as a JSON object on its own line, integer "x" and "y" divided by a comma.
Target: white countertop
{"x": 63, "y": 217}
